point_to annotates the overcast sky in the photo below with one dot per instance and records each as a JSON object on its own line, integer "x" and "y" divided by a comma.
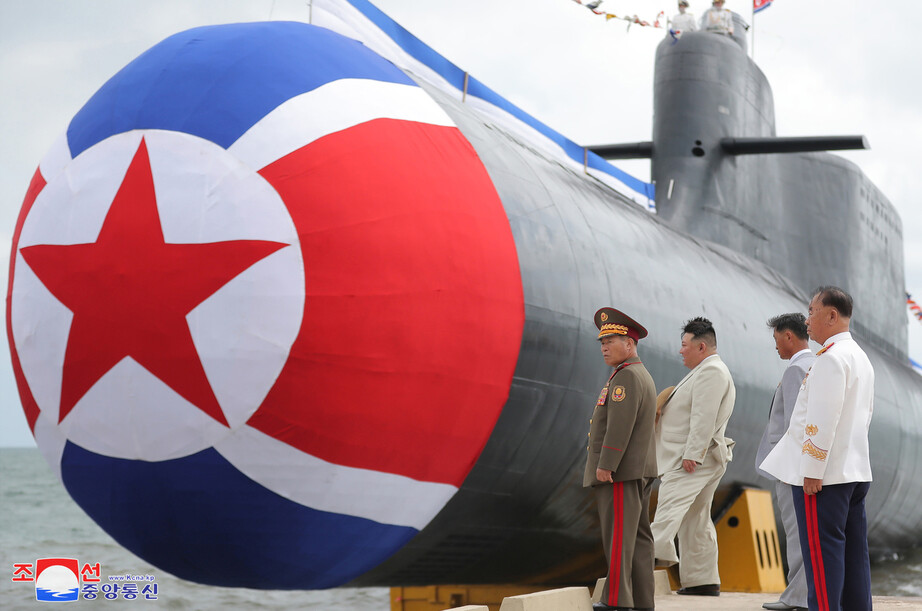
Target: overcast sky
{"x": 851, "y": 70}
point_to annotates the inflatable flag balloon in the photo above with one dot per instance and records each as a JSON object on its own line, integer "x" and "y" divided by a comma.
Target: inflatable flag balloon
{"x": 264, "y": 307}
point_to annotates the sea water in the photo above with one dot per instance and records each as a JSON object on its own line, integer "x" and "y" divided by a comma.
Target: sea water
{"x": 38, "y": 519}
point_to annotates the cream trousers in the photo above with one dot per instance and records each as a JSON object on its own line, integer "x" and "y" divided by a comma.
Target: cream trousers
{"x": 684, "y": 510}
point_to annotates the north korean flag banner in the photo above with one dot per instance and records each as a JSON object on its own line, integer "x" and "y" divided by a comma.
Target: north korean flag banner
{"x": 264, "y": 306}
{"x": 758, "y": 5}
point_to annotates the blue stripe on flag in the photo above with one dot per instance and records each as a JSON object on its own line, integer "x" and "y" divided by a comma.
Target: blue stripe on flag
{"x": 201, "y": 519}
{"x": 455, "y": 76}
{"x": 245, "y": 70}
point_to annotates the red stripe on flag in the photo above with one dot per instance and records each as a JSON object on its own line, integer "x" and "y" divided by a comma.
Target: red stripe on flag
{"x": 407, "y": 248}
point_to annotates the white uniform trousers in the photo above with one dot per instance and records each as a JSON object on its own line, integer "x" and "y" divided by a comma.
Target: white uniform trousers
{"x": 684, "y": 509}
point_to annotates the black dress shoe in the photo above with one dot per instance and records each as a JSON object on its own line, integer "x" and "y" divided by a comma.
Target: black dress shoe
{"x": 604, "y": 607}
{"x": 780, "y": 606}
{"x": 711, "y": 589}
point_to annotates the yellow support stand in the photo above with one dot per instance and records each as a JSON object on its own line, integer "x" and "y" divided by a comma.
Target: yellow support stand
{"x": 750, "y": 554}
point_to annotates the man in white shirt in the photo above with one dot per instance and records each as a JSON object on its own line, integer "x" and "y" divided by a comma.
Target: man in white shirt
{"x": 683, "y": 22}
{"x": 793, "y": 345}
{"x": 717, "y": 19}
{"x": 824, "y": 455}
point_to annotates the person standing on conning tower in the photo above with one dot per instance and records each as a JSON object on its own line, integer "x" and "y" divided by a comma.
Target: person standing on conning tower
{"x": 717, "y": 19}
{"x": 683, "y": 22}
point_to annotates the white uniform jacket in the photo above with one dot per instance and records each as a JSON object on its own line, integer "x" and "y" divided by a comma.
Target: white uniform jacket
{"x": 783, "y": 403}
{"x": 828, "y": 435}
{"x": 684, "y": 22}
{"x": 694, "y": 418}
{"x": 718, "y": 20}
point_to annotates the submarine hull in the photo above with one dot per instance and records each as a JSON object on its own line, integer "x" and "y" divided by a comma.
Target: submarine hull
{"x": 522, "y": 515}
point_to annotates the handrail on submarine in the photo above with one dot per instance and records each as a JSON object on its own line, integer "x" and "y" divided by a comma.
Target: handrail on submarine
{"x": 743, "y": 146}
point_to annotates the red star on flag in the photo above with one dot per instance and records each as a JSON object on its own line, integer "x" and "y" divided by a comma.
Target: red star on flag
{"x": 130, "y": 292}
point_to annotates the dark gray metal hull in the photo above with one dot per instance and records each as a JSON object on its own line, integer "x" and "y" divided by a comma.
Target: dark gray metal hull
{"x": 740, "y": 239}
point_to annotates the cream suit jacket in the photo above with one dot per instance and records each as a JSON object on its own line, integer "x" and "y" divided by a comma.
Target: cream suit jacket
{"x": 694, "y": 418}
{"x": 828, "y": 435}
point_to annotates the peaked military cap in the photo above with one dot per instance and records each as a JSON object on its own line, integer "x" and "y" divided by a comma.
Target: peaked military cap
{"x": 614, "y": 322}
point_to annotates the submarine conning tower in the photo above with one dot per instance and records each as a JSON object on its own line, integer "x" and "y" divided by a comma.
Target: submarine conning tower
{"x": 722, "y": 175}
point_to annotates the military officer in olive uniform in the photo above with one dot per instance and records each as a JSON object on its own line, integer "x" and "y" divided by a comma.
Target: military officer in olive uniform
{"x": 621, "y": 464}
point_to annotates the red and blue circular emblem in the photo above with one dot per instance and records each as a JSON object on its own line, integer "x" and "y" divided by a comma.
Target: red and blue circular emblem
{"x": 264, "y": 307}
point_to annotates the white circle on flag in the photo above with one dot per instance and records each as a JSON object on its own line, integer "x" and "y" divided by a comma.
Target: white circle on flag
{"x": 243, "y": 332}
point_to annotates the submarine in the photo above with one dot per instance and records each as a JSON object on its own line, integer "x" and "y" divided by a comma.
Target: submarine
{"x": 519, "y": 249}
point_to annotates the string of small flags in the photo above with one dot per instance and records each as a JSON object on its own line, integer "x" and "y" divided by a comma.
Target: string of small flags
{"x": 914, "y": 307}
{"x": 593, "y": 5}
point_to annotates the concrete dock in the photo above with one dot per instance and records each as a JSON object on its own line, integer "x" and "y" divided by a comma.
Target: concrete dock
{"x": 739, "y": 601}
{"x": 580, "y": 598}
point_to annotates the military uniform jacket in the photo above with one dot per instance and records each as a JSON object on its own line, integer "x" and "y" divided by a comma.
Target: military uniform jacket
{"x": 621, "y": 429}
{"x": 828, "y": 435}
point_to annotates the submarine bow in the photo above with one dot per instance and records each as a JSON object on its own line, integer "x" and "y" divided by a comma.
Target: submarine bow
{"x": 233, "y": 322}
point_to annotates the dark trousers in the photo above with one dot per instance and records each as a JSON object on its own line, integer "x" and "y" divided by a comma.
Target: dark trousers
{"x": 834, "y": 542}
{"x": 624, "y": 512}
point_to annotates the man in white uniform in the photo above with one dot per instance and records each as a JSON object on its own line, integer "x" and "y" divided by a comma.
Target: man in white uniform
{"x": 683, "y": 22}
{"x": 717, "y": 19}
{"x": 792, "y": 344}
{"x": 692, "y": 455}
{"x": 824, "y": 456}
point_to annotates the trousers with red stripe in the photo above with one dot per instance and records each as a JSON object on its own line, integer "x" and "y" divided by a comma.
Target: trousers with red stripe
{"x": 834, "y": 541}
{"x": 624, "y": 513}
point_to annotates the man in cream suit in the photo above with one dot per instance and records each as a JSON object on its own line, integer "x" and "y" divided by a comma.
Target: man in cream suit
{"x": 692, "y": 455}
{"x": 792, "y": 344}
{"x": 824, "y": 455}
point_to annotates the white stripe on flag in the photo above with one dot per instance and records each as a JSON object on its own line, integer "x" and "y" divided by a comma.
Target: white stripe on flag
{"x": 333, "y": 107}
{"x": 383, "y": 497}
{"x": 56, "y": 159}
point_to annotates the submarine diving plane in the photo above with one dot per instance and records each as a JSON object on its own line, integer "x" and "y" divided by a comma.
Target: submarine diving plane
{"x": 297, "y": 306}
